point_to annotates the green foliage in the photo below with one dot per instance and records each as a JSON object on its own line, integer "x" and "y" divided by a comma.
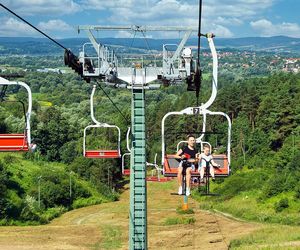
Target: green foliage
{"x": 3, "y": 190}
{"x": 265, "y": 140}
{"x": 281, "y": 205}
{"x": 179, "y": 220}
{"x": 83, "y": 202}
{"x": 179, "y": 210}
{"x": 242, "y": 181}
{"x": 19, "y": 182}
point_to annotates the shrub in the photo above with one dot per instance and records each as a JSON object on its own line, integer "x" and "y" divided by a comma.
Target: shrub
{"x": 83, "y": 202}
{"x": 52, "y": 213}
{"x": 281, "y": 205}
{"x": 188, "y": 211}
{"x": 9, "y": 159}
{"x": 297, "y": 194}
{"x": 179, "y": 220}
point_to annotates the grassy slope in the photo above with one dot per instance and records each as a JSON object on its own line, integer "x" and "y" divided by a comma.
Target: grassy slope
{"x": 249, "y": 206}
{"x": 25, "y": 174}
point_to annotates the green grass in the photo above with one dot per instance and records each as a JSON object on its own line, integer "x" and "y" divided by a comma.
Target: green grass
{"x": 270, "y": 237}
{"x": 111, "y": 238}
{"x": 179, "y": 220}
{"x": 179, "y": 210}
{"x": 246, "y": 206}
{"x": 243, "y": 195}
{"x": 206, "y": 76}
{"x": 24, "y": 180}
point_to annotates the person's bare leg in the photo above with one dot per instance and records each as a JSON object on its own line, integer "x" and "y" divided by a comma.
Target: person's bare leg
{"x": 202, "y": 172}
{"x": 188, "y": 177}
{"x": 179, "y": 176}
{"x": 212, "y": 172}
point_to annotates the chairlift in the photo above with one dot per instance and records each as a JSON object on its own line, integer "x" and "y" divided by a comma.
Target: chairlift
{"x": 155, "y": 172}
{"x": 100, "y": 153}
{"x": 126, "y": 171}
{"x": 169, "y": 163}
{"x": 18, "y": 141}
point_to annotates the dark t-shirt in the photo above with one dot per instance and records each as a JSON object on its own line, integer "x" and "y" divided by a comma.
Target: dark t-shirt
{"x": 190, "y": 152}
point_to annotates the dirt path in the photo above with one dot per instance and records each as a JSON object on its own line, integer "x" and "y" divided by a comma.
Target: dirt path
{"x": 105, "y": 226}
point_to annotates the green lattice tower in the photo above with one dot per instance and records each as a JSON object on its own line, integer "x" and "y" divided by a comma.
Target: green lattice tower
{"x": 138, "y": 188}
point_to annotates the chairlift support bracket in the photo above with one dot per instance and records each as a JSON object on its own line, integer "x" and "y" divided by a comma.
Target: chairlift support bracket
{"x": 108, "y": 69}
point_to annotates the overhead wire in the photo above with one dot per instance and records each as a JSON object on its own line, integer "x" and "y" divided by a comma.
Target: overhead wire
{"x": 198, "y": 73}
{"x": 63, "y": 47}
{"x": 113, "y": 103}
{"x": 32, "y": 26}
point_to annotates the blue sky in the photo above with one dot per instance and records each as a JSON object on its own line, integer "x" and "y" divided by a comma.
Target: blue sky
{"x": 226, "y": 18}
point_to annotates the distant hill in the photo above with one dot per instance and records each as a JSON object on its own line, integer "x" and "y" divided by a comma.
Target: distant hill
{"x": 38, "y": 46}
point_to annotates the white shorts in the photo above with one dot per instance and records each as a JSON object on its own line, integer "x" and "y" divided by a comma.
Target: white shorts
{"x": 192, "y": 166}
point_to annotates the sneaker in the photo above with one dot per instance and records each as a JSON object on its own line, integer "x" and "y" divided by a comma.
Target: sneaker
{"x": 188, "y": 192}
{"x": 180, "y": 190}
{"x": 202, "y": 180}
{"x": 213, "y": 179}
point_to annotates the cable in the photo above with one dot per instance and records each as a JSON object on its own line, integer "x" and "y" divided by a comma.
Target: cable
{"x": 199, "y": 32}
{"x": 198, "y": 73}
{"x": 130, "y": 47}
{"x": 32, "y": 26}
{"x": 116, "y": 107}
{"x": 147, "y": 43}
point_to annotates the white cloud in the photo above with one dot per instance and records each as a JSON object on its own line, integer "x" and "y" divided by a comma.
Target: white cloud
{"x": 221, "y": 31}
{"x": 218, "y": 15}
{"x": 266, "y": 28}
{"x": 14, "y": 27}
{"x": 54, "y": 25}
{"x": 46, "y": 7}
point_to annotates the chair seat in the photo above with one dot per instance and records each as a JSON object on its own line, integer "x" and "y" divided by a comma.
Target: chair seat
{"x": 103, "y": 154}
{"x": 13, "y": 142}
{"x": 171, "y": 164}
{"x": 126, "y": 172}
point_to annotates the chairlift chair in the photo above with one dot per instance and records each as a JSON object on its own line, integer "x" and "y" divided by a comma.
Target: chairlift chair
{"x": 22, "y": 141}
{"x": 126, "y": 171}
{"x": 169, "y": 163}
{"x": 100, "y": 153}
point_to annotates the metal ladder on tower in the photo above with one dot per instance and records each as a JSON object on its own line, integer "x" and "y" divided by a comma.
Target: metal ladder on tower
{"x": 138, "y": 188}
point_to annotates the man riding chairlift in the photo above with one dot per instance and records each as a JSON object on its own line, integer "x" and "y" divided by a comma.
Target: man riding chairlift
{"x": 189, "y": 158}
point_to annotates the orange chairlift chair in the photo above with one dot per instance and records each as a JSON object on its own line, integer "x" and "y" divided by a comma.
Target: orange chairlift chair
{"x": 100, "y": 153}
{"x": 169, "y": 163}
{"x": 155, "y": 172}
{"x": 22, "y": 141}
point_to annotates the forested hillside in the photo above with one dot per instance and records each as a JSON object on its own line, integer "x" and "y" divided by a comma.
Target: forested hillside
{"x": 265, "y": 141}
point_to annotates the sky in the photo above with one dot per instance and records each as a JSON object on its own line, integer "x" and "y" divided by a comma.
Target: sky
{"x": 225, "y": 18}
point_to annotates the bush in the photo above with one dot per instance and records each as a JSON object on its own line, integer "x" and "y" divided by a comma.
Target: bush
{"x": 297, "y": 194}
{"x": 83, "y": 202}
{"x": 179, "y": 220}
{"x": 10, "y": 159}
{"x": 281, "y": 205}
{"x": 242, "y": 181}
{"x": 30, "y": 210}
{"x": 179, "y": 210}
{"x": 52, "y": 213}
